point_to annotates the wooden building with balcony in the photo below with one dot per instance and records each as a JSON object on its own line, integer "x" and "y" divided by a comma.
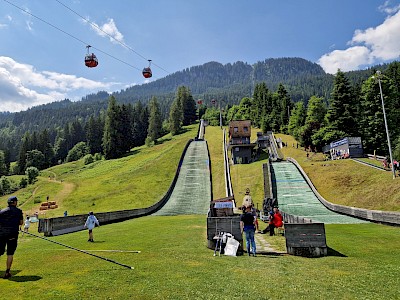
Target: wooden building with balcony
{"x": 239, "y": 142}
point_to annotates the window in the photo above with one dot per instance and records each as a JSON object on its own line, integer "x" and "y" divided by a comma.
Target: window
{"x": 235, "y": 129}
{"x": 246, "y": 129}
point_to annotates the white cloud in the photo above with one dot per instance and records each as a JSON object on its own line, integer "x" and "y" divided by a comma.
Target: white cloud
{"x": 29, "y": 24}
{"x": 21, "y": 86}
{"x": 384, "y": 40}
{"x": 345, "y": 60}
{"x": 386, "y": 8}
{"x": 373, "y": 45}
{"x": 108, "y": 29}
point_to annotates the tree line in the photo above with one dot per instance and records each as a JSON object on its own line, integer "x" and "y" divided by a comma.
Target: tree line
{"x": 353, "y": 109}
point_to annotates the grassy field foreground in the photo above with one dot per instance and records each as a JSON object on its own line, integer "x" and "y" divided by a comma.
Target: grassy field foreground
{"x": 175, "y": 264}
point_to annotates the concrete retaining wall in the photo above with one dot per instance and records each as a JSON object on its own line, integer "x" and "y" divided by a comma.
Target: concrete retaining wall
{"x": 387, "y": 217}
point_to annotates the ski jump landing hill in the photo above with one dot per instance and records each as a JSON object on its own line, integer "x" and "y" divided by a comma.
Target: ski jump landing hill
{"x": 189, "y": 193}
{"x": 298, "y": 197}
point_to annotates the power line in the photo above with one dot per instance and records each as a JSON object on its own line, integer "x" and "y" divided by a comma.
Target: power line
{"x": 70, "y": 35}
{"x": 110, "y": 36}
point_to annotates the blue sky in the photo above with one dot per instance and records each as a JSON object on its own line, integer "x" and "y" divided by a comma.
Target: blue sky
{"x": 42, "y": 42}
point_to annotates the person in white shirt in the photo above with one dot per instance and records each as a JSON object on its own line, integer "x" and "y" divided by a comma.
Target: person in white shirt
{"x": 90, "y": 223}
{"x": 27, "y": 224}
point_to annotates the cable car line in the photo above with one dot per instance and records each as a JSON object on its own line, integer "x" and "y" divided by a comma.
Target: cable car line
{"x": 70, "y": 35}
{"x": 110, "y": 36}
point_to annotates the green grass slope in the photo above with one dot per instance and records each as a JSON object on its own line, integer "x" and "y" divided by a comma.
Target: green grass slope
{"x": 347, "y": 182}
{"x": 138, "y": 180}
{"x": 174, "y": 262}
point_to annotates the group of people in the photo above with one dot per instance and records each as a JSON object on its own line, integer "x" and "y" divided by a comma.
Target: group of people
{"x": 249, "y": 222}
{"x": 11, "y": 221}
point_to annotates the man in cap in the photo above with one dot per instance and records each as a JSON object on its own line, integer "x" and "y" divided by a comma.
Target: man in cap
{"x": 248, "y": 202}
{"x": 11, "y": 219}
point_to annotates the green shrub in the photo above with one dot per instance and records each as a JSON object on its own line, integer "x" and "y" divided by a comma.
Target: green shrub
{"x": 32, "y": 173}
{"x": 23, "y": 182}
{"x": 88, "y": 159}
{"x": 77, "y": 152}
{"x": 98, "y": 156}
{"x": 149, "y": 142}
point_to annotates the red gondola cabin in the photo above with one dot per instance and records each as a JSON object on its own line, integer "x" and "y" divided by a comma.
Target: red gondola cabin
{"x": 90, "y": 59}
{"x": 147, "y": 71}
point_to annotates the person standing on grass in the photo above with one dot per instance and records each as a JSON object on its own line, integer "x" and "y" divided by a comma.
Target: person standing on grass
{"x": 90, "y": 223}
{"x": 247, "y": 200}
{"x": 27, "y": 224}
{"x": 247, "y": 224}
{"x": 11, "y": 220}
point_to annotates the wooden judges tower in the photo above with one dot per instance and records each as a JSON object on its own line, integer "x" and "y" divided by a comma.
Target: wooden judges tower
{"x": 239, "y": 142}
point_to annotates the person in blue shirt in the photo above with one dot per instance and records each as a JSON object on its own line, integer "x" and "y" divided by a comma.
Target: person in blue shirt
{"x": 247, "y": 225}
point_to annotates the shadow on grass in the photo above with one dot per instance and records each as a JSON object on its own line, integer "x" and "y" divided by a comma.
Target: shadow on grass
{"x": 163, "y": 140}
{"x": 263, "y": 156}
{"x": 132, "y": 152}
{"x": 17, "y": 278}
{"x": 269, "y": 254}
{"x": 333, "y": 252}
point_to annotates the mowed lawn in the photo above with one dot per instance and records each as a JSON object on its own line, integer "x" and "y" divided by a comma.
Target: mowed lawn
{"x": 174, "y": 262}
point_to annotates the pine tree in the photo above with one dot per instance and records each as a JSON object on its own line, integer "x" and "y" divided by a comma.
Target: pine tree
{"x": 46, "y": 148}
{"x": 175, "y": 117}
{"x": 155, "y": 121}
{"x": 3, "y": 166}
{"x": 140, "y": 124}
{"x": 110, "y": 137}
{"x": 23, "y": 149}
{"x": 94, "y": 134}
{"x": 372, "y": 126}
{"x": 285, "y": 105}
{"x": 188, "y": 105}
{"x": 297, "y": 120}
{"x": 341, "y": 115}
{"x": 316, "y": 111}
{"x": 261, "y": 104}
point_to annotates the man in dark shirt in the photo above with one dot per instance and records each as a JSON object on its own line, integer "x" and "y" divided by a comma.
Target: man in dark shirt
{"x": 11, "y": 219}
{"x": 247, "y": 225}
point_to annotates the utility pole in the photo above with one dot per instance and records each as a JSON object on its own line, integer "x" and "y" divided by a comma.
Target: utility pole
{"x": 378, "y": 77}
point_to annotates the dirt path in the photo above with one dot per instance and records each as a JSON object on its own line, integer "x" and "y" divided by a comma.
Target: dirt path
{"x": 67, "y": 188}
{"x": 263, "y": 246}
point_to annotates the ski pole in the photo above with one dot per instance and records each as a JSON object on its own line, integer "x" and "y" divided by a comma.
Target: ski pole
{"x": 103, "y": 258}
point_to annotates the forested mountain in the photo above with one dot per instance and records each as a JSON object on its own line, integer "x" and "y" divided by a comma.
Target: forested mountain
{"x": 228, "y": 84}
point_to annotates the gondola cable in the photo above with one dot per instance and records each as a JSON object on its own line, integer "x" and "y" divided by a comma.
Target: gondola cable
{"x": 70, "y": 35}
{"x": 110, "y": 36}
